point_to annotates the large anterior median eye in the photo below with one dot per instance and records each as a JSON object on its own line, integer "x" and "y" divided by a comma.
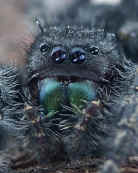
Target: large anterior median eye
{"x": 77, "y": 55}
{"x": 58, "y": 54}
{"x": 51, "y": 95}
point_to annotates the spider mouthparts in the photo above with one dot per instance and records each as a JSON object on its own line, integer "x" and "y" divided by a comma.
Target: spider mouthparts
{"x": 66, "y": 91}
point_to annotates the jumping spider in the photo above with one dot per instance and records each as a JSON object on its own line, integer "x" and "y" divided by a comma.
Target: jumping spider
{"x": 72, "y": 106}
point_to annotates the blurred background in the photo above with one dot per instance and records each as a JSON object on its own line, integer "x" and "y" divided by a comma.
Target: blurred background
{"x": 16, "y": 26}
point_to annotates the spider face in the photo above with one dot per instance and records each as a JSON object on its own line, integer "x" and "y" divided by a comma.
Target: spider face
{"x": 62, "y": 107}
{"x": 73, "y": 72}
{"x": 75, "y": 100}
{"x": 65, "y": 67}
{"x": 71, "y": 56}
{"x": 66, "y": 103}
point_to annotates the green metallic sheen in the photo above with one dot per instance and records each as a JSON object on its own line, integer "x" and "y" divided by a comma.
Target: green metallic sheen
{"x": 80, "y": 93}
{"x": 51, "y": 95}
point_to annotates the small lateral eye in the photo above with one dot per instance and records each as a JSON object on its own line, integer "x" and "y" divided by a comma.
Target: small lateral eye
{"x": 58, "y": 54}
{"x": 94, "y": 50}
{"x": 43, "y": 47}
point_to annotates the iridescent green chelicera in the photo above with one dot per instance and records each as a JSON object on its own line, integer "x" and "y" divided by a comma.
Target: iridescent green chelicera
{"x": 54, "y": 94}
{"x": 81, "y": 92}
{"x": 51, "y": 95}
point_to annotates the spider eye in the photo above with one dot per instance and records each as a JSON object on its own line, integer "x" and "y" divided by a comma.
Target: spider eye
{"x": 94, "y": 50}
{"x": 58, "y": 54}
{"x": 77, "y": 55}
{"x": 43, "y": 47}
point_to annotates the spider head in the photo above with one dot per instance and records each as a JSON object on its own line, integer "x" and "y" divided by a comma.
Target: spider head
{"x": 71, "y": 73}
